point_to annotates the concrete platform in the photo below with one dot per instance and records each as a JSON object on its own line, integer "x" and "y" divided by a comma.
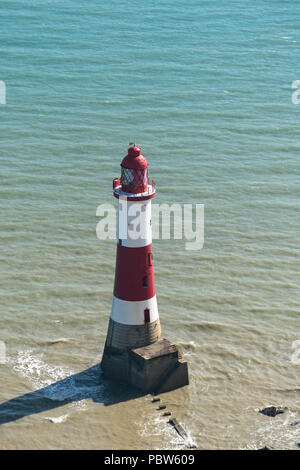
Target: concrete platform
{"x": 156, "y": 368}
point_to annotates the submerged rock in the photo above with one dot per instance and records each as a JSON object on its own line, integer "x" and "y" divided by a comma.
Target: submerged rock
{"x": 295, "y": 423}
{"x": 272, "y": 411}
{"x": 161, "y": 407}
{"x": 178, "y": 428}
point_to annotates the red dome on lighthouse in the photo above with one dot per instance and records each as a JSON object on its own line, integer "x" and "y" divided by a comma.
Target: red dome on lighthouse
{"x": 134, "y": 159}
{"x": 134, "y": 177}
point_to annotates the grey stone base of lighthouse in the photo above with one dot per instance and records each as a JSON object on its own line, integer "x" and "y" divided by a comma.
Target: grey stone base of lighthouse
{"x": 139, "y": 356}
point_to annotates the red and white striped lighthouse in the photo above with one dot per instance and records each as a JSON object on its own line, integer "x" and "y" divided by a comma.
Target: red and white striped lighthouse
{"x": 134, "y": 320}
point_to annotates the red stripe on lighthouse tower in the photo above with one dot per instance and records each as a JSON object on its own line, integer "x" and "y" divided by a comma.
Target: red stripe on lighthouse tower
{"x": 134, "y": 278}
{"x": 134, "y": 302}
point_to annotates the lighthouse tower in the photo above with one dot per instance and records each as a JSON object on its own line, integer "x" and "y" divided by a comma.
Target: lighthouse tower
{"x": 135, "y": 351}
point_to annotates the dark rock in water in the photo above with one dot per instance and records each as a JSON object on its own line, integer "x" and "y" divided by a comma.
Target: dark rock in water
{"x": 161, "y": 407}
{"x": 167, "y": 413}
{"x": 265, "y": 448}
{"x": 178, "y": 428}
{"x": 154, "y": 400}
{"x": 295, "y": 423}
{"x": 272, "y": 411}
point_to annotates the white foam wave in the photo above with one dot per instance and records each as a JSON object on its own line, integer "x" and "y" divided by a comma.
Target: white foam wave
{"x": 57, "y": 420}
{"x": 37, "y": 372}
{"x": 41, "y": 375}
{"x": 277, "y": 432}
{"x": 170, "y": 439}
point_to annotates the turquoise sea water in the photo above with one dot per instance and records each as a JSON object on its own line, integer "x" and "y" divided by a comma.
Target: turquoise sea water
{"x": 205, "y": 89}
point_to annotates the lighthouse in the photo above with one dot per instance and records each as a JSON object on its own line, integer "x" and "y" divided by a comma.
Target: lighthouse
{"x": 135, "y": 351}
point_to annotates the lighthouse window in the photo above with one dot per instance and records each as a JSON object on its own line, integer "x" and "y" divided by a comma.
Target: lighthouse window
{"x": 127, "y": 176}
{"x": 147, "y": 315}
{"x": 150, "y": 259}
{"x": 145, "y": 281}
{"x": 143, "y": 207}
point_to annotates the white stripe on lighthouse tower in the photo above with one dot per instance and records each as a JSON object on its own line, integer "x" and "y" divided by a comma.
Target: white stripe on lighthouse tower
{"x": 132, "y": 313}
{"x": 134, "y": 223}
